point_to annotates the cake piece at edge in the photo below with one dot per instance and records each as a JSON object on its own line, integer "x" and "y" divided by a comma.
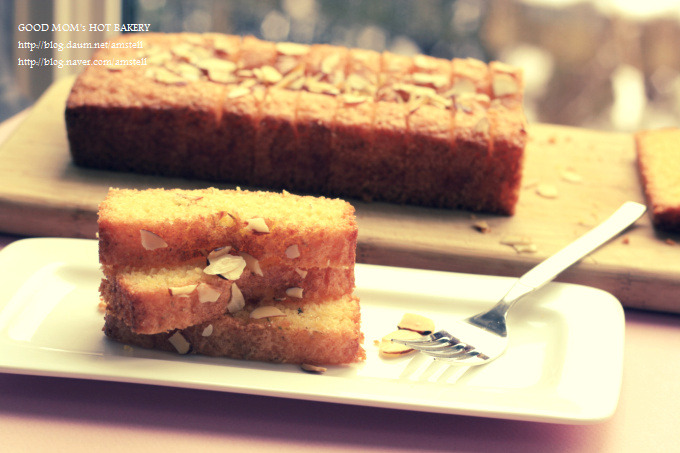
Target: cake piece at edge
{"x": 154, "y": 300}
{"x": 658, "y": 158}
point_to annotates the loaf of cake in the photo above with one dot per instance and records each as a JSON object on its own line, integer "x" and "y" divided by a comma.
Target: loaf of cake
{"x": 319, "y": 119}
{"x": 658, "y": 153}
{"x": 242, "y": 262}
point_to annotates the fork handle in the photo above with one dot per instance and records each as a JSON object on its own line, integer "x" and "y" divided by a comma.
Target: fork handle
{"x": 547, "y": 270}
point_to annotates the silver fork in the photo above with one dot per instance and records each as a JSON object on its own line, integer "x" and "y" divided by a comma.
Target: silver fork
{"x": 483, "y": 337}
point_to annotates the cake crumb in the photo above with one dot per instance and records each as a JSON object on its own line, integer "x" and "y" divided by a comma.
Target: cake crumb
{"x": 626, "y": 240}
{"x": 670, "y": 241}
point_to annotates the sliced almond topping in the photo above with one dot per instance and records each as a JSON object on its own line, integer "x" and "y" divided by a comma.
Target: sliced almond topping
{"x": 158, "y": 58}
{"x": 180, "y": 343}
{"x": 461, "y": 86}
{"x": 313, "y": 368}
{"x": 504, "y": 85}
{"x": 389, "y": 349}
{"x": 525, "y": 248}
{"x": 207, "y": 293}
{"x": 329, "y": 63}
{"x": 207, "y": 331}
{"x": 291, "y": 48}
{"x": 166, "y": 77}
{"x": 354, "y": 98}
{"x": 218, "y": 252}
{"x": 257, "y": 225}
{"x": 181, "y": 290}
{"x": 293, "y": 252}
{"x": 238, "y": 92}
{"x": 301, "y": 272}
{"x": 226, "y": 265}
{"x": 270, "y": 75}
{"x": 357, "y": 83}
{"x": 151, "y": 241}
{"x": 266, "y": 311}
{"x": 216, "y": 64}
{"x": 237, "y": 301}
{"x": 416, "y": 323}
{"x": 295, "y": 291}
{"x": 436, "y": 80}
{"x": 482, "y": 126}
{"x": 424, "y": 62}
{"x": 252, "y": 263}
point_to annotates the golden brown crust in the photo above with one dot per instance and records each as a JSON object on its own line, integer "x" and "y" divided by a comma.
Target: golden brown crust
{"x": 307, "y": 118}
{"x": 658, "y": 153}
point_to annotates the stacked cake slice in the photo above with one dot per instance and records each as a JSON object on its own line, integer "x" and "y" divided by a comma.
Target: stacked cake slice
{"x": 253, "y": 275}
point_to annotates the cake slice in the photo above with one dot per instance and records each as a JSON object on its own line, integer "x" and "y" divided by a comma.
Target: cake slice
{"x": 324, "y": 333}
{"x": 307, "y": 232}
{"x": 658, "y": 153}
{"x": 154, "y": 300}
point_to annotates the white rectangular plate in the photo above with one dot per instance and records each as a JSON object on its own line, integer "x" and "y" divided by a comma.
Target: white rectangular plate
{"x": 564, "y": 363}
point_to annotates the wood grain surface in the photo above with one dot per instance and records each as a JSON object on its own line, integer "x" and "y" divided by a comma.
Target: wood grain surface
{"x": 43, "y": 194}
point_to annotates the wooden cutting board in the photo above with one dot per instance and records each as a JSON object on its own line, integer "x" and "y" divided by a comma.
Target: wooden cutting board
{"x": 43, "y": 194}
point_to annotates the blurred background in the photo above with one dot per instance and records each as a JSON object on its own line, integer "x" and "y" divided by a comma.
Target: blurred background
{"x": 600, "y": 64}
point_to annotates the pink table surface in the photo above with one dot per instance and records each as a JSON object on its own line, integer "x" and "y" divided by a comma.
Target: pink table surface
{"x": 58, "y": 414}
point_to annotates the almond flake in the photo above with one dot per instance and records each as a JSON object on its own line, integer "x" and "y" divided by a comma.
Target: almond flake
{"x": 166, "y": 77}
{"x": 571, "y": 177}
{"x": 388, "y": 349}
{"x": 180, "y": 343}
{"x": 207, "y": 293}
{"x": 301, "y": 272}
{"x": 151, "y": 241}
{"x": 270, "y": 75}
{"x": 295, "y": 291}
{"x": 354, "y": 98}
{"x": 216, "y": 64}
{"x": 313, "y": 368}
{"x": 525, "y": 248}
{"x": 357, "y": 82}
{"x": 547, "y": 190}
{"x": 238, "y": 92}
{"x": 257, "y": 225}
{"x": 207, "y": 331}
{"x": 482, "y": 126}
{"x": 461, "y": 86}
{"x": 293, "y": 252}
{"x": 181, "y": 290}
{"x": 237, "y": 301}
{"x": 436, "y": 80}
{"x": 226, "y": 265}
{"x": 329, "y": 63}
{"x": 252, "y": 264}
{"x": 291, "y": 48}
{"x": 266, "y": 311}
{"x": 482, "y": 226}
{"x": 416, "y": 323}
{"x": 504, "y": 85}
